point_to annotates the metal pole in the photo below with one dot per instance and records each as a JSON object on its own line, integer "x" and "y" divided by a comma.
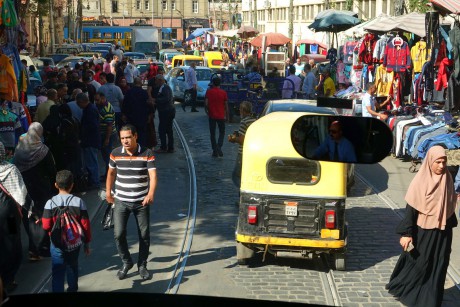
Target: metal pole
{"x": 152, "y": 14}
{"x": 170, "y": 33}
{"x": 51, "y": 7}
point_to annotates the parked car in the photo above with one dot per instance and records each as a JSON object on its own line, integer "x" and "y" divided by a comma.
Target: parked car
{"x": 31, "y": 98}
{"x": 58, "y": 57}
{"x": 135, "y": 55}
{"x": 46, "y": 60}
{"x": 166, "y": 55}
{"x": 295, "y": 105}
{"x": 89, "y": 54}
{"x": 71, "y": 61}
{"x": 176, "y": 80}
{"x": 69, "y": 49}
{"x": 30, "y": 61}
{"x": 143, "y": 66}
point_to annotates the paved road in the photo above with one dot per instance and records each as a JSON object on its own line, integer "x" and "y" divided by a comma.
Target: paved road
{"x": 212, "y": 268}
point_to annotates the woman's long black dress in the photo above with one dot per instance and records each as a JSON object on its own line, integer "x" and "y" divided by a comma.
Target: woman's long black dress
{"x": 419, "y": 276}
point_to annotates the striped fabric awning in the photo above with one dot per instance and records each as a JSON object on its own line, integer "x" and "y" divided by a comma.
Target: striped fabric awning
{"x": 412, "y": 22}
{"x": 447, "y": 6}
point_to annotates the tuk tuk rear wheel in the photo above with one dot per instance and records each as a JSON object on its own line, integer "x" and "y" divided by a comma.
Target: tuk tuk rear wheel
{"x": 339, "y": 262}
{"x": 243, "y": 253}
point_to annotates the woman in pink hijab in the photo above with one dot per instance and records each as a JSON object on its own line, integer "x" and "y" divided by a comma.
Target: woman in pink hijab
{"x": 426, "y": 234}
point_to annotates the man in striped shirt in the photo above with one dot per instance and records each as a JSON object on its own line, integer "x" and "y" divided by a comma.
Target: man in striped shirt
{"x": 132, "y": 178}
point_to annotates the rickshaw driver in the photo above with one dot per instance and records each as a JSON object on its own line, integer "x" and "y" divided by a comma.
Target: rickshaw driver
{"x": 336, "y": 146}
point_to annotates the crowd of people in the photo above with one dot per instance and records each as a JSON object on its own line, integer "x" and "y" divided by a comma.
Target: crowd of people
{"x": 81, "y": 113}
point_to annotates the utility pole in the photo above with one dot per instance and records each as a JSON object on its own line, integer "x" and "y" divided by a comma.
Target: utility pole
{"x": 80, "y": 19}
{"x": 40, "y": 29}
{"x": 255, "y": 14}
{"x": 51, "y": 16}
{"x": 291, "y": 20}
{"x": 171, "y": 24}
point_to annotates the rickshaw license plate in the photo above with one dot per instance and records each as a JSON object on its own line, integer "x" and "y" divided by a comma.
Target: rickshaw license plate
{"x": 291, "y": 210}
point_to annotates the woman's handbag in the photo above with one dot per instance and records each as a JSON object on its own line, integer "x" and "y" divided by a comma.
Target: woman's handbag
{"x": 107, "y": 219}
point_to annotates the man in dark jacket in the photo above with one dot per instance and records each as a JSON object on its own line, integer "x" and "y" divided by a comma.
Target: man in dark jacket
{"x": 136, "y": 110}
{"x": 164, "y": 103}
{"x": 90, "y": 141}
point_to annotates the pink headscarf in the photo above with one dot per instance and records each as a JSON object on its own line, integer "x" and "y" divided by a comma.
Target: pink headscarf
{"x": 432, "y": 195}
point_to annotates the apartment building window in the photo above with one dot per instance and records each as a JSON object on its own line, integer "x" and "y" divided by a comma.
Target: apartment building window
{"x": 173, "y": 5}
{"x": 138, "y": 5}
{"x": 147, "y": 5}
{"x": 114, "y": 6}
{"x": 195, "y": 7}
{"x": 164, "y": 5}
{"x": 97, "y": 4}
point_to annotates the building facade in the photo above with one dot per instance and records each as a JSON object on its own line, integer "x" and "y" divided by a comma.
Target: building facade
{"x": 275, "y": 15}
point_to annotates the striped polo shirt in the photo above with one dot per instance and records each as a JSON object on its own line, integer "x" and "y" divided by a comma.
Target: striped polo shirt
{"x": 132, "y": 180}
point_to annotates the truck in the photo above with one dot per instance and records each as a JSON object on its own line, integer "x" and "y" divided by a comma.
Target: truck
{"x": 146, "y": 39}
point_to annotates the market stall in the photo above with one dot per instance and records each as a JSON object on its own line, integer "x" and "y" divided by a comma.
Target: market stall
{"x": 413, "y": 60}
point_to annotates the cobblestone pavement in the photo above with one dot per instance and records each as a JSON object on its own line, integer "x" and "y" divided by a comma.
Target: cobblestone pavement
{"x": 373, "y": 247}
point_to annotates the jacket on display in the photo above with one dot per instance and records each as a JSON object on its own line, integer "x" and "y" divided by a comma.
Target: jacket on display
{"x": 454, "y": 36}
{"x": 418, "y": 54}
{"x": 397, "y": 55}
{"x": 366, "y": 50}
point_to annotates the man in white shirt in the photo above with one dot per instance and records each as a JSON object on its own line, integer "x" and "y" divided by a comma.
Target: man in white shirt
{"x": 129, "y": 72}
{"x": 298, "y": 67}
{"x": 113, "y": 64}
{"x": 369, "y": 103}
{"x": 191, "y": 84}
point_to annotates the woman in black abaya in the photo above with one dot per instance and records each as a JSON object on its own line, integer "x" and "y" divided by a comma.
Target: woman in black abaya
{"x": 420, "y": 273}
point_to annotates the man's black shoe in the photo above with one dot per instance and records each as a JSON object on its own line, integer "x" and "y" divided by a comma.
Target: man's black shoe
{"x": 143, "y": 273}
{"x": 124, "y": 271}
{"x": 183, "y": 107}
{"x": 194, "y": 110}
{"x": 219, "y": 151}
{"x": 214, "y": 153}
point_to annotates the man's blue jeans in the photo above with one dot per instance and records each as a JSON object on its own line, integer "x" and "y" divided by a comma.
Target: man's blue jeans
{"x": 91, "y": 163}
{"x": 220, "y": 123}
{"x": 64, "y": 264}
{"x": 122, "y": 211}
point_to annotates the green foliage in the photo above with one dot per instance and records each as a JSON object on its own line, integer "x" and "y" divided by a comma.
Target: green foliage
{"x": 39, "y": 7}
{"x": 349, "y": 5}
{"x": 419, "y": 6}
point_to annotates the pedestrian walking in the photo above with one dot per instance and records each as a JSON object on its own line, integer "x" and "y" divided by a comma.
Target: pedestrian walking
{"x": 136, "y": 110}
{"x": 216, "y": 103}
{"x": 426, "y": 234}
{"x": 64, "y": 264}
{"x": 238, "y": 137}
{"x": 115, "y": 96}
{"x": 164, "y": 103}
{"x": 191, "y": 84}
{"x": 35, "y": 161}
{"x": 107, "y": 128}
{"x": 13, "y": 192}
{"x": 90, "y": 141}
{"x": 309, "y": 82}
{"x": 132, "y": 167}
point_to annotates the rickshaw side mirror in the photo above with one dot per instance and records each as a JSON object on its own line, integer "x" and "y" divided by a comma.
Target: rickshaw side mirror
{"x": 360, "y": 140}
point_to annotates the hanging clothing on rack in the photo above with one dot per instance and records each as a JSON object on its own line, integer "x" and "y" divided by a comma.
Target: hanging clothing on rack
{"x": 366, "y": 50}
{"x": 379, "y": 50}
{"x": 443, "y": 74}
{"x": 419, "y": 55}
{"x": 454, "y": 36}
{"x": 8, "y": 81}
{"x": 397, "y": 55}
{"x": 383, "y": 80}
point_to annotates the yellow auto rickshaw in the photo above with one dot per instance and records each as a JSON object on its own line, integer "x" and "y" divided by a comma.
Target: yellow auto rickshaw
{"x": 289, "y": 206}
{"x": 292, "y": 199}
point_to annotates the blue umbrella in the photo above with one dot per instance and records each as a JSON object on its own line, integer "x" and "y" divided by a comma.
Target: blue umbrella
{"x": 334, "y": 21}
{"x": 198, "y": 32}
